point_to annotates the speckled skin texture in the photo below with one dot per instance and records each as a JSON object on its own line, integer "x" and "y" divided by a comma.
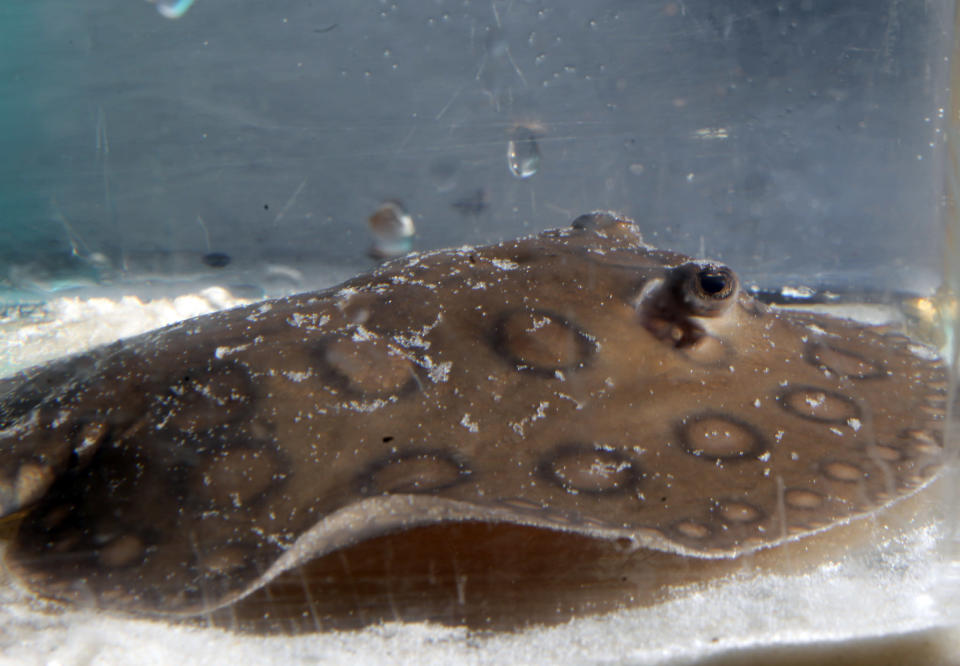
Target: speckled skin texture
{"x": 577, "y": 381}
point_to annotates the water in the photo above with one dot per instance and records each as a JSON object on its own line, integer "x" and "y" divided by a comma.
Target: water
{"x": 523, "y": 153}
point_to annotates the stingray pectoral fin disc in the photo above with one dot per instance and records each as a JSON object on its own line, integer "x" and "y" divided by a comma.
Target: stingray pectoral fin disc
{"x": 577, "y": 381}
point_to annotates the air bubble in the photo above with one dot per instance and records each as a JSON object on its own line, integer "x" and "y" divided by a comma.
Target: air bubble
{"x": 523, "y": 153}
{"x": 392, "y": 229}
{"x": 173, "y": 9}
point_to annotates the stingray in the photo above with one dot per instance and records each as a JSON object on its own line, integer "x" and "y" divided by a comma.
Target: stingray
{"x": 575, "y": 382}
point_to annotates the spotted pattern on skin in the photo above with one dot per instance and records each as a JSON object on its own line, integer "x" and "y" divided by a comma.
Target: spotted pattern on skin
{"x": 821, "y": 405}
{"x": 692, "y": 530}
{"x": 413, "y": 471}
{"x": 593, "y": 385}
{"x": 215, "y": 393}
{"x": 368, "y": 366}
{"x": 802, "y": 498}
{"x": 737, "y": 511}
{"x": 541, "y": 341}
{"x": 714, "y": 436}
{"x": 590, "y": 469}
{"x": 842, "y": 362}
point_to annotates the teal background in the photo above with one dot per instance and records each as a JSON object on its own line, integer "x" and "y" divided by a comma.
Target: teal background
{"x": 800, "y": 141}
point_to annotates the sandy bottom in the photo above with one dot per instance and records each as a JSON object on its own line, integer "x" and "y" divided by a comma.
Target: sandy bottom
{"x": 884, "y": 606}
{"x": 891, "y": 601}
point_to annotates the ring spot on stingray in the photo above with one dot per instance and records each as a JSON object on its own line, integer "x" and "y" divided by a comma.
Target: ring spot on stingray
{"x": 846, "y": 472}
{"x": 926, "y": 449}
{"x": 207, "y": 396}
{"x": 932, "y": 439}
{"x": 802, "y": 498}
{"x": 592, "y": 470}
{"x": 924, "y": 442}
{"x": 842, "y": 362}
{"x": 938, "y": 387}
{"x": 124, "y": 551}
{"x": 736, "y": 511}
{"x": 650, "y": 533}
{"x": 933, "y": 411}
{"x": 885, "y": 453}
{"x": 691, "y": 529}
{"x": 32, "y": 481}
{"x": 935, "y": 401}
{"x": 820, "y": 405}
{"x": 240, "y": 476}
{"x": 227, "y": 560}
{"x": 371, "y": 367}
{"x": 718, "y": 437}
{"x": 541, "y": 341}
{"x": 415, "y": 471}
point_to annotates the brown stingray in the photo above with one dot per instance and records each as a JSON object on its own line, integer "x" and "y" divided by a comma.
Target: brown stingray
{"x": 573, "y": 382}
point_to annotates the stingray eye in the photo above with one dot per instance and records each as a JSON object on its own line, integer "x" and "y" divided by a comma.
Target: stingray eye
{"x": 716, "y": 282}
{"x": 708, "y": 289}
